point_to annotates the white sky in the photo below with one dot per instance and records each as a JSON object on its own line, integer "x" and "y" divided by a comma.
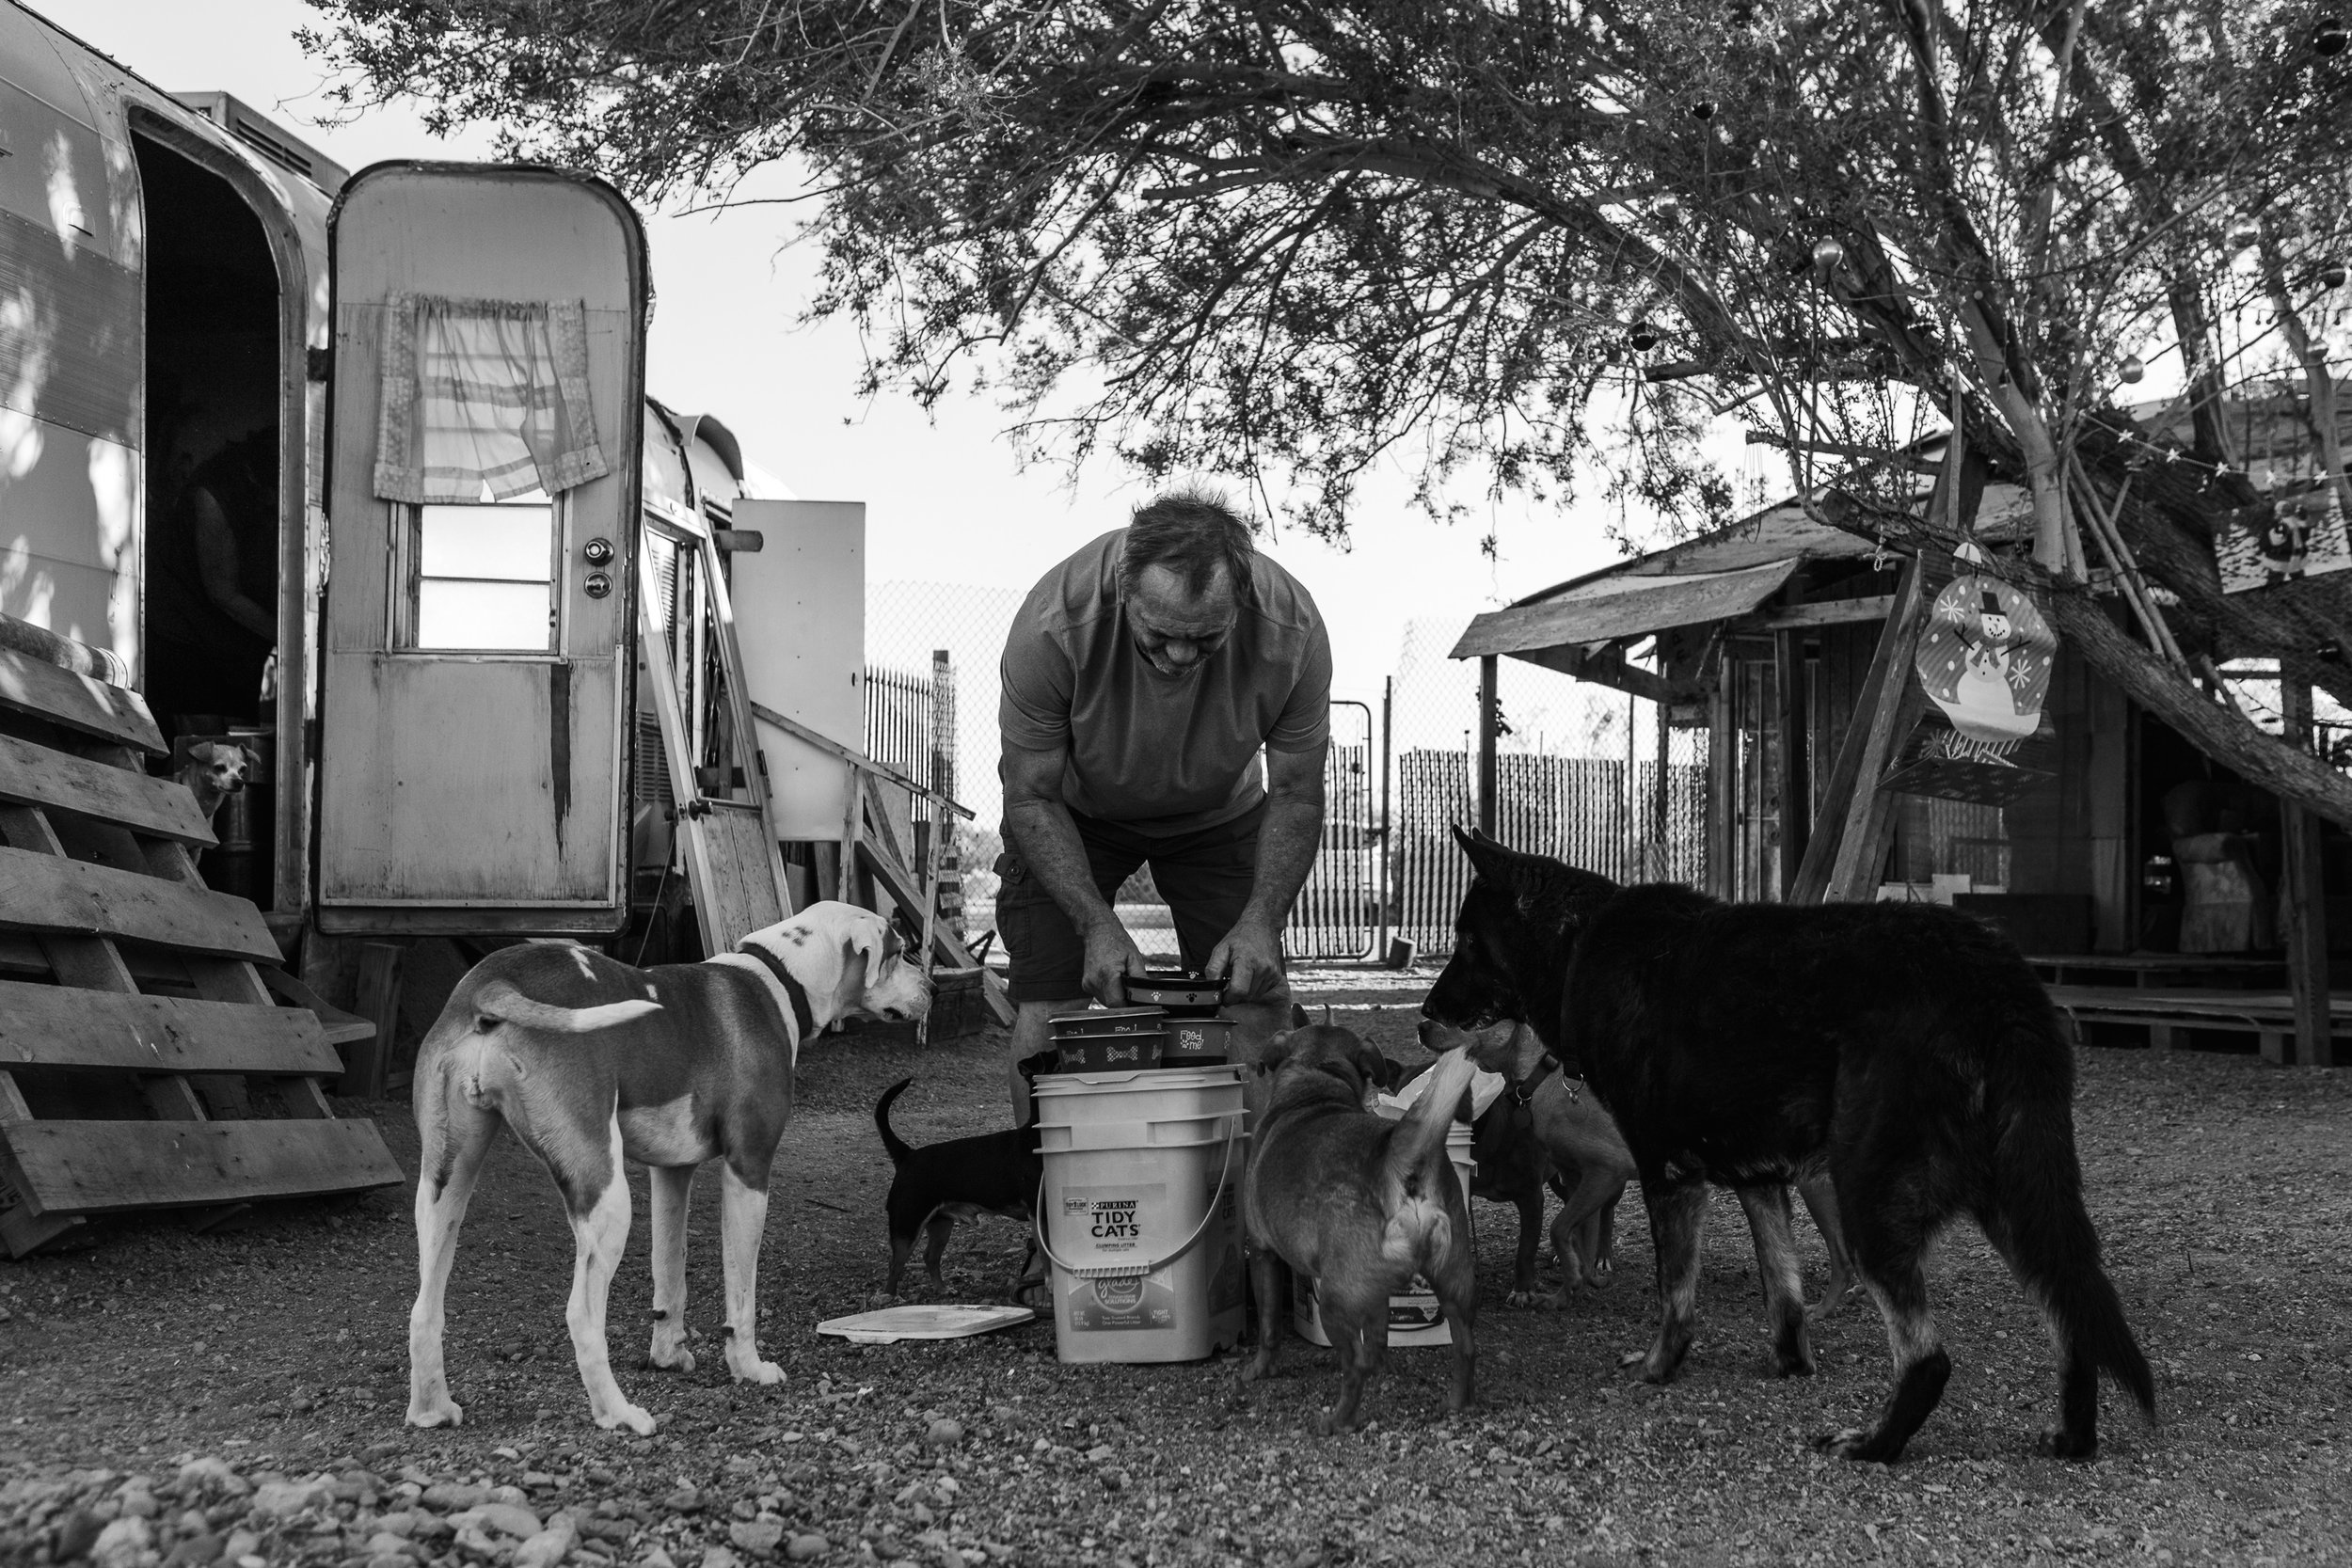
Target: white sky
{"x": 945, "y": 502}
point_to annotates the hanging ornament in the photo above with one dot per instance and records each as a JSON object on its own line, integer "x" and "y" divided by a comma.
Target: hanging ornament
{"x": 1644, "y": 337}
{"x": 2241, "y": 235}
{"x": 1827, "y": 252}
{"x": 2131, "y": 368}
{"x": 1703, "y": 109}
{"x": 2330, "y": 39}
{"x": 2331, "y": 276}
{"x": 1986, "y": 661}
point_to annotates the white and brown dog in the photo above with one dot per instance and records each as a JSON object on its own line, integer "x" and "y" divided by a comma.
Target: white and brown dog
{"x": 593, "y": 1062}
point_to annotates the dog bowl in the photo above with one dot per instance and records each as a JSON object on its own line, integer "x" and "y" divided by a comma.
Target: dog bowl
{"x": 1183, "y": 993}
{"x": 1135, "y": 1050}
{"x": 1197, "y": 1041}
{"x": 1107, "y": 1020}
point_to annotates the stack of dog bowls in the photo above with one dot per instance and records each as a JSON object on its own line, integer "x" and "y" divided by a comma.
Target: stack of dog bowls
{"x": 1109, "y": 1039}
{"x": 1195, "y": 1036}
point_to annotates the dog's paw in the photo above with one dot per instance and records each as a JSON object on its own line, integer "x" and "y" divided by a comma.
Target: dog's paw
{"x": 2058, "y": 1442}
{"x": 1329, "y": 1425}
{"x": 636, "y": 1417}
{"x": 676, "y": 1358}
{"x": 1857, "y": 1445}
{"x": 447, "y": 1413}
{"x": 1256, "y": 1369}
{"x": 755, "y": 1370}
{"x": 1520, "y": 1298}
{"x": 1557, "y": 1301}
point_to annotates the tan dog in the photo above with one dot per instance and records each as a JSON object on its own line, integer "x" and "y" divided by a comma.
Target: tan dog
{"x": 213, "y": 770}
{"x": 1360, "y": 1204}
{"x": 591, "y": 1063}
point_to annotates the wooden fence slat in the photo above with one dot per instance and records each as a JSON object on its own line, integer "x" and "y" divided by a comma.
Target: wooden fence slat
{"x": 36, "y": 776}
{"x": 45, "y": 894}
{"x": 94, "y": 1167}
{"x": 77, "y": 702}
{"x": 68, "y": 1027}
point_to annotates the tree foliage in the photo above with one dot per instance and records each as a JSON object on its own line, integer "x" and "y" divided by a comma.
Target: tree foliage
{"x": 1280, "y": 237}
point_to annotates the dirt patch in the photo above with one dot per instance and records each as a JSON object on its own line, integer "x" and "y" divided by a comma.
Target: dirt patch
{"x": 2217, "y": 1184}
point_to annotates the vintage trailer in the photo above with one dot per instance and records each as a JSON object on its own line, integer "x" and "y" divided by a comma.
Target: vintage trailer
{"x": 359, "y": 468}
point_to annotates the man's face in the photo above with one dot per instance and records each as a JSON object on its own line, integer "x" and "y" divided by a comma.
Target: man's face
{"x": 1175, "y": 629}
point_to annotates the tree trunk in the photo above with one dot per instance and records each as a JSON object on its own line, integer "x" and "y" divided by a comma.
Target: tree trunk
{"x": 2222, "y": 733}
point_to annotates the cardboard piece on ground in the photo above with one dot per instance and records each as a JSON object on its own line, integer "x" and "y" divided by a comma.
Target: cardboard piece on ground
{"x": 943, "y": 1322}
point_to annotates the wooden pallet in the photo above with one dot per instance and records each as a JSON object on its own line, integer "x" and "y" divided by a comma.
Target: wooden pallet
{"x": 143, "y": 1062}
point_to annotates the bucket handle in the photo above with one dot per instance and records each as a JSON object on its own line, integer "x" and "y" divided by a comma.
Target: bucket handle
{"x": 1135, "y": 1270}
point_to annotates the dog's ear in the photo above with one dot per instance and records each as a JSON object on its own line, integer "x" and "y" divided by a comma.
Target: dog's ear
{"x": 1298, "y": 1017}
{"x": 252, "y": 761}
{"x": 1487, "y": 857}
{"x": 1277, "y": 1052}
{"x": 869, "y": 938}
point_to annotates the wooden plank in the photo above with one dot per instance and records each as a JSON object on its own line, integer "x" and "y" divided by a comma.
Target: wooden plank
{"x": 768, "y": 849}
{"x": 1866, "y": 741}
{"x": 2305, "y": 906}
{"x": 1723, "y": 877}
{"x": 1828, "y": 612}
{"x": 41, "y": 893}
{"x": 336, "y": 1026}
{"x": 1489, "y": 710}
{"x": 21, "y": 1231}
{"x": 1796, "y": 793}
{"x": 102, "y": 1166}
{"x": 857, "y": 759}
{"x": 31, "y": 686}
{"x": 64, "y": 1026}
{"x": 36, "y": 776}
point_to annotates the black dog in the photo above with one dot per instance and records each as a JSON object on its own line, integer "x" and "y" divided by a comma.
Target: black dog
{"x": 1908, "y": 1048}
{"x": 990, "y": 1173}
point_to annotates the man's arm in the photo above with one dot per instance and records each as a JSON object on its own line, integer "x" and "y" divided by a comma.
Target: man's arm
{"x": 1250, "y": 960}
{"x": 1047, "y": 842}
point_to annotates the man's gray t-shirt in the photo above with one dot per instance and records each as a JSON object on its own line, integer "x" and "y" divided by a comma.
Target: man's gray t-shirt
{"x": 1162, "y": 754}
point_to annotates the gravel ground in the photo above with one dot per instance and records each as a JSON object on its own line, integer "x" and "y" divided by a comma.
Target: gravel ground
{"x": 238, "y": 1398}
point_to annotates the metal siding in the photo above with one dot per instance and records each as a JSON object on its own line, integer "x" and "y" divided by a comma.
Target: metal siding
{"x": 70, "y": 334}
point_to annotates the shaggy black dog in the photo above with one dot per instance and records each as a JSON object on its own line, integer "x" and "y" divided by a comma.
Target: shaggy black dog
{"x": 1907, "y": 1048}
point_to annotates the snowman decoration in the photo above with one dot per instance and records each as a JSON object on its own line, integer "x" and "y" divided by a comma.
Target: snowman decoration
{"x": 1986, "y": 661}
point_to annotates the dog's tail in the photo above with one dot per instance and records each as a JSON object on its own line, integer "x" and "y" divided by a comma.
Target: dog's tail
{"x": 1423, "y": 1133}
{"x": 2038, "y": 1192}
{"x": 899, "y": 1152}
{"x": 498, "y": 1003}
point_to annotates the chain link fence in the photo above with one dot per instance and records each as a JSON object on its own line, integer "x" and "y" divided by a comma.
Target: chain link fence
{"x": 1583, "y": 774}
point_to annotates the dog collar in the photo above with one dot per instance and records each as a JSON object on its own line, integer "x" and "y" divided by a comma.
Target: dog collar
{"x": 792, "y": 987}
{"x": 1523, "y": 1092}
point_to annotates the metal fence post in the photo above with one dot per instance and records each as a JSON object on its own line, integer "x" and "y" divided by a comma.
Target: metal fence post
{"x": 1489, "y": 699}
{"x": 1388, "y": 874}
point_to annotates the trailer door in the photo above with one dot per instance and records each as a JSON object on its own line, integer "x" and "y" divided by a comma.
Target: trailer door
{"x": 477, "y": 655}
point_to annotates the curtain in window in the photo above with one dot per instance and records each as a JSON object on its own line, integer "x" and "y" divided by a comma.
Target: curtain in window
{"x": 485, "y": 393}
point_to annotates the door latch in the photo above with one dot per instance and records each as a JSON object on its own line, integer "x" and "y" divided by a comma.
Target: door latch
{"x": 598, "y": 552}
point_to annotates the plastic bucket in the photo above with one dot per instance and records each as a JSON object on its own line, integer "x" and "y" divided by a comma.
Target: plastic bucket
{"x": 1140, "y": 1212}
{"x": 1110, "y": 1053}
{"x": 1414, "y": 1317}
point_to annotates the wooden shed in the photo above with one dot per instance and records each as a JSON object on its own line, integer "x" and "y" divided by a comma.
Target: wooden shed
{"x": 1791, "y": 641}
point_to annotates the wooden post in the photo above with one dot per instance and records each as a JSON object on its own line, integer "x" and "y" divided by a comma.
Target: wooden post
{"x": 371, "y": 1060}
{"x": 1488, "y": 700}
{"x": 1871, "y": 734}
{"x": 1796, "y": 803}
{"x": 1722, "y": 808}
{"x": 2306, "y": 932}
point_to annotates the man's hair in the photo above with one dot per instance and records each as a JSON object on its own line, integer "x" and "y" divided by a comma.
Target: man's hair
{"x": 1194, "y": 533}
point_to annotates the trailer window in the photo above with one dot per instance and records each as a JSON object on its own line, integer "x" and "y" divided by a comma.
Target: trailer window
{"x": 484, "y": 576}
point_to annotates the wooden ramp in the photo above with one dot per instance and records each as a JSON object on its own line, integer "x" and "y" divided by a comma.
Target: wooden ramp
{"x": 143, "y": 1062}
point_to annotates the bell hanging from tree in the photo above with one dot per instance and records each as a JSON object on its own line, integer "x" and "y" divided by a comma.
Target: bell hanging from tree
{"x": 2331, "y": 276}
{"x": 1827, "y": 252}
{"x": 2330, "y": 39}
{"x": 1644, "y": 337}
{"x": 2131, "y": 368}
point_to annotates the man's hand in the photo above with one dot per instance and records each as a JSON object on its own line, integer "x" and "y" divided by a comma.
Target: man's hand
{"x": 1112, "y": 954}
{"x": 1248, "y": 960}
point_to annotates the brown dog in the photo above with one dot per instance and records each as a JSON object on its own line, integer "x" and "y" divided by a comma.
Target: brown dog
{"x": 1358, "y": 1203}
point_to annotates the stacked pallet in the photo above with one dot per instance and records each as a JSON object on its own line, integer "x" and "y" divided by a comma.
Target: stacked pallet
{"x": 143, "y": 1062}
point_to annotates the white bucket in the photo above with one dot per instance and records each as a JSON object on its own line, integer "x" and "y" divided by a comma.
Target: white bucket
{"x": 1140, "y": 1212}
{"x": 1414, "y": 1316}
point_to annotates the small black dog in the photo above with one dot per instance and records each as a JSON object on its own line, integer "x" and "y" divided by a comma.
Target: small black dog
{"x": 990, "y": 1173}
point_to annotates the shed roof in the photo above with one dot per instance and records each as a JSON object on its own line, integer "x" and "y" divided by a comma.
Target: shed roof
{"x": 1603, "y": 609}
